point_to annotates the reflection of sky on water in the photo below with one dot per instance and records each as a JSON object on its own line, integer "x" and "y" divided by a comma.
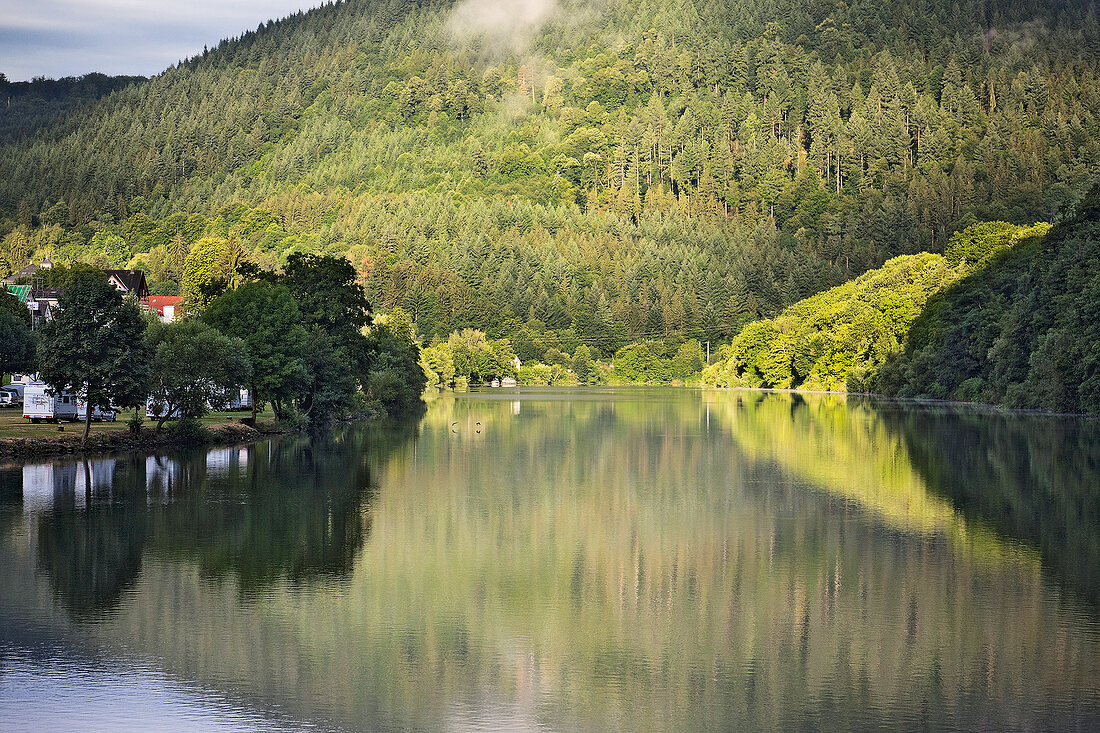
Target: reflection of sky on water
{"x": 117, "y": 696}
{"x": 45, "y": 485}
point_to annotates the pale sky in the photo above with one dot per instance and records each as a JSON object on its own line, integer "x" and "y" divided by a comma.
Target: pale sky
{"x": 56, "y": 38}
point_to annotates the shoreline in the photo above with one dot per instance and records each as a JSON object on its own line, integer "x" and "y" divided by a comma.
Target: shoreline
{"x": 978, "y": 408}
{"x": 23, "y": 449}
{"x": 122, "y": 441}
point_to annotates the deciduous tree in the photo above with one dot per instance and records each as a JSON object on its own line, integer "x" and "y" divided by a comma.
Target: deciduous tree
{"x": 194, "y": 364}
{"x": 96, "y": 347}
{"x": 266, "y": 318}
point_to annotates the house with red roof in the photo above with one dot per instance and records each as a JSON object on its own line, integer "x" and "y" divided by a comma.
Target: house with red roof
{"x": 166, "y": 307}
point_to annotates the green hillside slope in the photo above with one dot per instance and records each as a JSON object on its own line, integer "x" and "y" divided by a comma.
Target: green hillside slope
{"x": 614, "y": 171}
{"x": 841, "y": 339}
{"x": 1024, "y": 331}
{"x": 836, "y": 338}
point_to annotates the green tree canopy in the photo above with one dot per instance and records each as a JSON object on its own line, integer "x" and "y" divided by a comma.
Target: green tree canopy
{"x": 396, "y": 378}
{"x": 582, "y": 363}
{"x": 637, "y": 363}
{"x": 193, "y": 364}
{"x": 61, "y": 276}
{"x": 328, "y": 293}
{"x": 96, "y": 347}
{"x": 266, "y": 318}
{"x": 976, "y": 244}
{"x": 205, "y": 273}
{"x": 12, "y": 304}
{"x": 334, "y": 311}
{"x": 688, "y": 360}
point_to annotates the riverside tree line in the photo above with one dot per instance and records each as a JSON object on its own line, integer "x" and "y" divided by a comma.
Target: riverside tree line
{"x": 303, "y": 341}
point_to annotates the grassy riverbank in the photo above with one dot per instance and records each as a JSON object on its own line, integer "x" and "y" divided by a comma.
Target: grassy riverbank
{"x": 20, "y": 438}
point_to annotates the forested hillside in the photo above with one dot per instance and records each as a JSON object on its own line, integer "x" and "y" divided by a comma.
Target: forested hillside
{"x": 28, "y": 105}
{"x": 607, "y": 172}
{"x": 1023, "y": 331}
{"x": 841, "y": 339}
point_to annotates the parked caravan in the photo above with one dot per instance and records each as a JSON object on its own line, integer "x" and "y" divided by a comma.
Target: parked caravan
{"x": 156, "y": 408}
{"x": 39, "y": 404}
{"x": 17, "y": 388}
{"x": 231, "y": 399}
{"x": 98, "y": 413}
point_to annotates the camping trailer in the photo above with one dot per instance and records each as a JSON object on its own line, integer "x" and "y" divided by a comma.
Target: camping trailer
{"x": 41, "y": 402}
{"x": 98, "y": 413}
{"x": 231, "y": 399}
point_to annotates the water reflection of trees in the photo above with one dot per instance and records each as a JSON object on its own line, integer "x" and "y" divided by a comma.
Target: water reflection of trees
{"x": 11, "y": 496}
{"x": 648, "y": 564}
{"x": 293, "y": 508}
{"x": 91, "y": 553}
{"x": 290, "y": 508}
{"x": 1035, "y": 478}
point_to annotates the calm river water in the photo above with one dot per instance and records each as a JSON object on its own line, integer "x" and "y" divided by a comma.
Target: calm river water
{"x": 568, "y": 560}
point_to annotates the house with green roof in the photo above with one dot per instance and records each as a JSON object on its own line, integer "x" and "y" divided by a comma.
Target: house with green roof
{"x": 20, "y": 291}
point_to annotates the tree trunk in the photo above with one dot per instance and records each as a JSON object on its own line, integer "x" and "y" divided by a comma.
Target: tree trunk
{"x": 87, "y": 484}
{"x": 87, "y": 422}
{"x": 253, "y": 404}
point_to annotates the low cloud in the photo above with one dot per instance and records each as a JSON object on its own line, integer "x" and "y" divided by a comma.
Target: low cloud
{"x": 504, "y": 25}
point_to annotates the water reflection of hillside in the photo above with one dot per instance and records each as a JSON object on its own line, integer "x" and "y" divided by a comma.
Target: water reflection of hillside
{"x": 294, "y": 508}
{"x": 993, "y": 485}
{"x": 1032, "y": 477}
{"x": 652, "y": 563}
{"x": 847, "y": 449}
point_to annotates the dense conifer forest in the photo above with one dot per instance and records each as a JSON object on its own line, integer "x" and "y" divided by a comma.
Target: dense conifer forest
{"x": 575, "y": 173}
{"x": 28, "y": 105}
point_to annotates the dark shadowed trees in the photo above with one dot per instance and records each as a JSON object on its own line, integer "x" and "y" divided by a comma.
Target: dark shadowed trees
{"x": 334, "y": 312}
{"x": 17, "y": 344}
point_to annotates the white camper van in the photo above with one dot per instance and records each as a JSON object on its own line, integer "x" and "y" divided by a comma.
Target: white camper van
{"x": 231, "y": 399}
{"x": 245, "y": 402}
{"x": 98, "y": 413}
{"x": 39, "y": 404}
{"x": 239, "y": 399}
